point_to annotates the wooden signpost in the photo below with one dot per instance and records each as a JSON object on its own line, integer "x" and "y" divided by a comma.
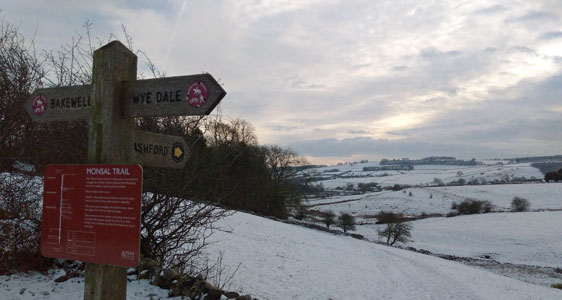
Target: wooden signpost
{"x": 60, "y": 103}
{"x": 110, "y": 104}
{"x": 160, "y": 150}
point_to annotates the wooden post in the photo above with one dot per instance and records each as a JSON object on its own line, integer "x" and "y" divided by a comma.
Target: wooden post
{"x": 111, "y": 140}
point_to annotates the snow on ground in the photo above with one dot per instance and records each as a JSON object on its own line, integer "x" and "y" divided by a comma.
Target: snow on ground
{"x": 283, "y": 261}
{"x": 36, "y": 286}
{"x": 542, "y": 196}
{"x": 528, "y": 238}
{"x": 424, "y": 174}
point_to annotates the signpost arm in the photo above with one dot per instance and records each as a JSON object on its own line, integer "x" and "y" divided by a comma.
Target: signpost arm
{"x": 110, "y": 141}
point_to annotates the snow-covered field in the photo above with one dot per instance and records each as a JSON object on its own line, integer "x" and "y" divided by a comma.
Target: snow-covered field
{"x": 527, "y": 245}
{"x": 423, "y": 174}
{"x": 529, "y": 238}
{"x": 283, "y": 261}
{"x": 438, "y": 200}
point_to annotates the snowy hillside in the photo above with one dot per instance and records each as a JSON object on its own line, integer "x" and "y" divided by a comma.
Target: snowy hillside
{"x": 282, "y": 261}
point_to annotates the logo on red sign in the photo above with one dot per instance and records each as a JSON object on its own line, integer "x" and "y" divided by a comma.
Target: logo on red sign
{"x": 39, "y": 105}
{"x": 197, "y": 93}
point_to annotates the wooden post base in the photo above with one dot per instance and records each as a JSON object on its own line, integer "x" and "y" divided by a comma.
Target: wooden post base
{"x": 103, "y": 282}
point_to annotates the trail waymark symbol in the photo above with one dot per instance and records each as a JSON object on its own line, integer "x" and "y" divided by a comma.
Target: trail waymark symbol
{"x": 39, "y": 105}
{"x": 197, "y": 93}
{"x": 178, "y": 152}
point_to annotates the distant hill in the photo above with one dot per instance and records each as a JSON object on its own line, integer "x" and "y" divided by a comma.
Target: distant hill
{"x": 546, "y": 167}
{"x": 532, "y": 159}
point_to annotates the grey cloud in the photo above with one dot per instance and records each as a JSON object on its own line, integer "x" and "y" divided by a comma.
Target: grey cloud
{"x": 378, "y": 148}
{"x": 524, "y": 49}
{"x": 400, "y": 68}
{"x": 551, "y": 35}
{"x": 525, "y": 125}
{"x": 358, "y": 132}
{"x": 534, "y": 16}
{"x": 284, "y": 127}
{"x": 432, "y": 53}
{"x": 491, "y": 10}
{"x": 302, "y": 84}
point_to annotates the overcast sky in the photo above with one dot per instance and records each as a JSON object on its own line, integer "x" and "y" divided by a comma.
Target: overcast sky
{"x": 342, "y": 80}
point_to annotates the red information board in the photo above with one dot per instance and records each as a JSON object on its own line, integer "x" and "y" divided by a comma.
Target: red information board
{"x": 92, "y": 213}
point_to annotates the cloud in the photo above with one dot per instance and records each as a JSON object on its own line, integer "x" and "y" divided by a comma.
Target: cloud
{"x": 551, "y": 35}
{"x": 534, "y": 16}
{"x": 419, "y": 76}
{"x": 494, "y": 9}
{"x": 358, "y": 132}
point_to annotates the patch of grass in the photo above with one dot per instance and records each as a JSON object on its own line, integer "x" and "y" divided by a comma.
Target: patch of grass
{"x": 557, "y": 286}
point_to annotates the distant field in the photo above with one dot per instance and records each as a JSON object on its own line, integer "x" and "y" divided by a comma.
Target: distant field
{"x": 527, "y": 245}
{"x": 424, "y": 174}
{"x": 438, "y": 200}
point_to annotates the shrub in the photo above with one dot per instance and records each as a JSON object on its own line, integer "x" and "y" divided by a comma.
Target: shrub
{"x": 20, "y": 222}
{"x": 520, "y": 204}
{"x": 557, "y": 286}
{"x": 454, "y": 205}
{"x": 385, "y": 217}
{"x": 486, "y": 207}
{"x": 471, "y": 206}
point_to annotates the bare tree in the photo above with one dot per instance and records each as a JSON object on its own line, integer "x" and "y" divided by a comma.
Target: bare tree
{"x": 175, "y": 230}
{"x": 346, "y": 222}
{"x": 397, "y": 229}
{"x": 396, "y": 232}
{"x": 20, "y": 72}
{"x": 329, "y": 218}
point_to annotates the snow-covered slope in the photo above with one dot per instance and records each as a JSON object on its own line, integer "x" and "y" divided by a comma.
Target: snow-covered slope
{"x": 527, "y": 238}
{"x": 282, "y": 261}
{"x": 279, "y": 261}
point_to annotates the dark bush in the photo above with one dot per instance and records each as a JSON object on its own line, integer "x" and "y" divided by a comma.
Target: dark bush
{"x": 520, "y": 204}
{"x": 385, "y": 217}
{"x": 471, "y": 206}
{"x": 486, "y": 207}
{"x": 20, "y": 222}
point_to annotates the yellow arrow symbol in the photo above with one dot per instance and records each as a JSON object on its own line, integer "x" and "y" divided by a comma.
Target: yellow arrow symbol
{"x": 177, "y": 152}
